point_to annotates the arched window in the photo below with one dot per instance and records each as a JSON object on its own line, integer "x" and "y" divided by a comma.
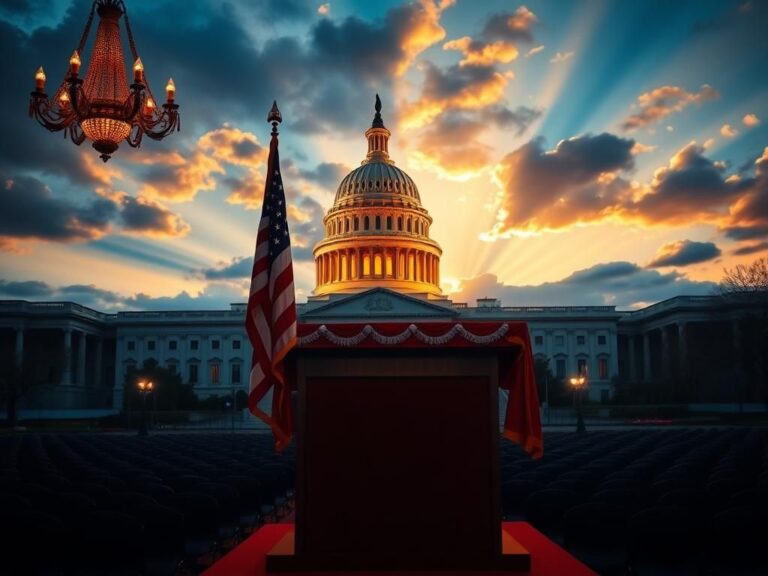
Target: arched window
{"x": 357, "y": 223}
{"x": 400, "y": 223}
{"x": 389, "y": 222}
{"x": 408, "y": 225}
{"x": 390, "y": 266}
{"x": 367, "y": 224}
{"x": 378, "y": 222}
{"x": 346, "y": 225}
{"x": 377, "y": 268}
{"x": 366, "y": 265}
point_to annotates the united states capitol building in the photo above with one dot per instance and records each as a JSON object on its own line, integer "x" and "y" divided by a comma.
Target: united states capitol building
{"x": 376, "y": 262}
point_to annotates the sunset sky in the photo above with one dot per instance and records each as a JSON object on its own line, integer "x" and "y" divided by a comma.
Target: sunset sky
{"x": 569, "y": 152}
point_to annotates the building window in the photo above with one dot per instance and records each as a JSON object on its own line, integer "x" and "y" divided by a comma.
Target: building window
{"x": 389, "y": 222}
{"x": 215, "y": 344}
{"x": 560, "y": 368}
{"x": 560, "y": 340}
{"x": 151, "y": 345}
{"x": 367, "y": 223}
{"x": 601, "y": 339}
{"x": 131, "y": 345}
{"x": 194, "y": 344}
{"x": 193, "y": 373}
{"x": 602, "y": 368}
{"x": 580, "y": 340}
{"x": 235, "y": 344}
{"x": 172, "y": 345}
{"x": 235, "y": 373}
{"x": 215, "y": 373}
{"x": 581, "y": 365}
{"x": 538, "y": 340}
{"x": 357, "y": 223}
{"x": 378, "y": 222}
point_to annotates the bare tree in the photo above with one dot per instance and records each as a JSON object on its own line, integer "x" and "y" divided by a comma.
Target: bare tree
{"x": 746, "y": 279}
{"x": 747, "y": 286}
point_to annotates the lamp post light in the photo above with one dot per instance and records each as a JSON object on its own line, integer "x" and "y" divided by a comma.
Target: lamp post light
{"x": 578, "y": 383}
{"x": 145, "y": 387}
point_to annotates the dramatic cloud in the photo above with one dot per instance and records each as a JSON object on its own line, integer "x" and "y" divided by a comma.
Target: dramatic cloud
{"x": 728, "y": 131}
{"x": 239, "y": 268}
{"x": 553, "y": 189}
{"x": 31, "y": 212}
{"x": 691, "y": 187}
{"x": 326, "y": 174}
{"x": 622, "y": 284}
{"x": 749, "y": 214}
{"x": 25, "y": 289}
{"x": 748, "y": 249}
{"x": 512, "y": 27}
{"x": 560, "y": 57}
{"x": 663, "y": 101}
{"x": 150, "y": 218}
{"x": 684, "y": 253}
{"x": 534, "y": 50}
{"x": 478, "y": 53}
{"x": 750, "y": 120}
{"x": 456, "y": 88}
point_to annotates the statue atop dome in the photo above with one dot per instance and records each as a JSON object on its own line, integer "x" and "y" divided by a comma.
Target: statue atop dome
{"x": 377, "y": 121}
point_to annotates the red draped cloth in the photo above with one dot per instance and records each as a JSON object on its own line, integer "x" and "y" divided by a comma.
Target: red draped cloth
{"x": 522, "y": 423}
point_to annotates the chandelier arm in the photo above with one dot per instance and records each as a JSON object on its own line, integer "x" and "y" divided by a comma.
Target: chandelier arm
{"x": 77, "y": 98}
{"x": 76, "y": 134}
{"x": 134, "y": 141}
{"x": 84, "y": 37}
{"x": 128, "y": 30}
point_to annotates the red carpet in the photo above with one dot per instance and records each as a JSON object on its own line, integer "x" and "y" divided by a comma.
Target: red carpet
{"x": 547, "y": 558}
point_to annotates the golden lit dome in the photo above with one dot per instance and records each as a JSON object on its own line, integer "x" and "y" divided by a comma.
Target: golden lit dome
{"x": 377, "y": 232}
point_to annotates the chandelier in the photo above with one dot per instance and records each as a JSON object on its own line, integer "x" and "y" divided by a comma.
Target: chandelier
{"x": 103, "y": 107}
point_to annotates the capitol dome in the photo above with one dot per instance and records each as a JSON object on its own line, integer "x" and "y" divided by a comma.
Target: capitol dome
{"x": 377, "y": 232}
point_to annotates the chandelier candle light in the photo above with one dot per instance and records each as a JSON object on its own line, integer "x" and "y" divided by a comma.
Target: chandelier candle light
{"x": 103, "y": 107}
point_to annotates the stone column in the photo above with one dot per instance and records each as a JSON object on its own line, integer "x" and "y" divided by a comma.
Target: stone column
{"x": 97, "y": 362}
{"x": 632, "y": 358}
{"x": 666, "y": 356}
{"x": 646, "y": 357}
{"x": 682, "y": 349}
{"x": 66, "y": 376}
{"x": 81, "y": 359}
{"x": 19, "y": 350}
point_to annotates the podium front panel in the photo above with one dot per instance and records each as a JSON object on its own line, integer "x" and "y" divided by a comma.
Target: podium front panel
{"x": 399, "y": 459}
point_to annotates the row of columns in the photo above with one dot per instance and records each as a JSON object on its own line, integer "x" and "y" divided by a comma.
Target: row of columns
{"x": 679, "y": 331}
{"x": 377, "y": 263}
{"x": 66, "y": 377}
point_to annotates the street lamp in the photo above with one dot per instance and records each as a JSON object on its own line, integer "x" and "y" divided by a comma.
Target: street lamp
{"x": 145, "y": 387}
{"x": 578, "y": 383}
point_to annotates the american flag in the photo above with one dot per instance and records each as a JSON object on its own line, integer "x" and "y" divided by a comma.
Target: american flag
{"x": 271, "y": 315}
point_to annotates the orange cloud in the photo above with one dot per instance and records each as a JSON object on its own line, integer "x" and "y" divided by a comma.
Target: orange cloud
{"x": 149, "y": 218}
{"x": 750, "y": 120}
{"x": 482, "y": 54}
{"x": 728, "y": 131}
{"x": 663, "y": 101}
{"x": 178, "y": 177}
{"x": 424, "y": 30}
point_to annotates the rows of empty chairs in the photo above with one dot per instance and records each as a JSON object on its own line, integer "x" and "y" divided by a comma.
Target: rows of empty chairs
{"x": 120, "y": 504}
{"x": 639, "y": 502}
{"x": 648, "y": 502}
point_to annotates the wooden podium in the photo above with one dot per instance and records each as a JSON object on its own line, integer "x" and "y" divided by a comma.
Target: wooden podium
{"x": 398, "y": 455}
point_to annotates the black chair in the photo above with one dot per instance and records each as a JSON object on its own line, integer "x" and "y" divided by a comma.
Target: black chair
{"x": 663, "y": 541}
{"x": 596, "y": 533}
{"x": 545, "y": 509}
{"x": 736, "y": 542}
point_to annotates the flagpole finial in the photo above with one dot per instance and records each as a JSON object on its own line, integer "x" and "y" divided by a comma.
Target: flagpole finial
{"x": 274, "y": 117}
